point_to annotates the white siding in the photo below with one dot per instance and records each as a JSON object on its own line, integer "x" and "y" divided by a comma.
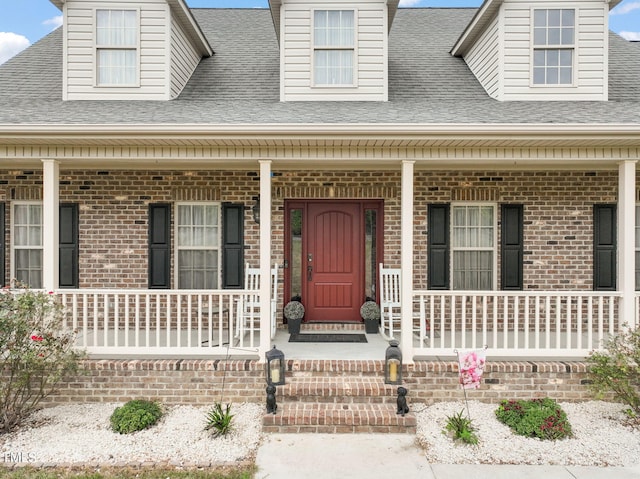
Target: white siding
{"x": 80, "y": 51}
{"x": 184, "y": 59}
{"x": 591, "y": 62}
{"x": 484, "y": 59}
{"x": 370, "y": 50}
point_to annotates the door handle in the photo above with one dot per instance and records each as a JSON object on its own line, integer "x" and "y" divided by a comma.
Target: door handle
{"x": 309, "y": 270}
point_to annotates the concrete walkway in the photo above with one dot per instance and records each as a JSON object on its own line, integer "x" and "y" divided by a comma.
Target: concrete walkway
{"x": 378, "y": 456}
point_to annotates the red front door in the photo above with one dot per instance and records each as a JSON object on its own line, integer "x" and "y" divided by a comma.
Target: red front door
{"x": 333, "y": 283}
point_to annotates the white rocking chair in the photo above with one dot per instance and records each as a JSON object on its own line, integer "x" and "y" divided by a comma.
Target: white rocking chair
{"x": 390, "y": 304}
{"x": 389, "y": 300}
{"x": 249, "y": 312}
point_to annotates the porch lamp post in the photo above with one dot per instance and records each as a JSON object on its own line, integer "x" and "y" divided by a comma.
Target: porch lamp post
{"x": 393, "y": 364}
{"x": 275, "y": 367}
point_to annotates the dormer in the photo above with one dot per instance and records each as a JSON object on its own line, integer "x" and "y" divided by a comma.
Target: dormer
{"x": 333, "y": 50}
{"x": 539, "y": 50}
{"x": 128, "y": 49}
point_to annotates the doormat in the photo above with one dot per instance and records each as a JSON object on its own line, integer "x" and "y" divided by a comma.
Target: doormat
{"x": 327, "y": 338}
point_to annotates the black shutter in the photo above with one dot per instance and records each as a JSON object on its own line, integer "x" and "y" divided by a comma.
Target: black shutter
{"x": 3, "y": 258}
{"x": 604, "y": 247}
{"x": 438, "y": 247}
{"x": 512, "y": 247}
{"x": 69, "y": 247}
{"x": 232, "y": 245}
{"x": 159, "y": 246}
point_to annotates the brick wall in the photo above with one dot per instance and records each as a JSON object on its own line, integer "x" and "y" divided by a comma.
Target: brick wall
{"x": 208, "y": 381}
{"x": 113, "y": 213}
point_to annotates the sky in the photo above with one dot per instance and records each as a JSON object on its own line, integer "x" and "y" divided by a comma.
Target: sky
{"x": 24, "y": 22}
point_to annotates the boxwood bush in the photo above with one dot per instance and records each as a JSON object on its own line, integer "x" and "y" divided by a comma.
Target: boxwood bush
{"x": 135, "y": 415}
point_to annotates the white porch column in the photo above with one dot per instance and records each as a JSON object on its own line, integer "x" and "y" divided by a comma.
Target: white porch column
{"x": 265, "y": 257}
{"x": 50, "y": 224}
{"x": 626, "y": 240}
{"x": 406, "y": 298}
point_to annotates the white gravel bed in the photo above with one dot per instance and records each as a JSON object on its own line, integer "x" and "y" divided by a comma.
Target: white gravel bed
{"x": 73, "y": 434}
{"x": 81, "y": 435}
{"x": 600, "y": 437}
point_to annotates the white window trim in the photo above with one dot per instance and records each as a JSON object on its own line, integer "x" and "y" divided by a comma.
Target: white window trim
{"x": 494, "y": 281}
{"x": 97, "y": 47}
{"x": 176, "y": 243}
{"x": 574, "y": 47}
{"x": 13, "y": 233}
{"x": 354, "y": 84}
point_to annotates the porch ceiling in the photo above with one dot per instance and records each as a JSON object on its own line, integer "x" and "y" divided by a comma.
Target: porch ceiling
{"x": 240, "y": 146}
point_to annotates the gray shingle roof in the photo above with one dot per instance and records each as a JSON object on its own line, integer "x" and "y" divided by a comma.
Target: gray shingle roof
{"x": 240, "y": 83}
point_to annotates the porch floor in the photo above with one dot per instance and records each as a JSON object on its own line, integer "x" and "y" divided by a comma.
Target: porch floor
{"x": 374, "y": 348}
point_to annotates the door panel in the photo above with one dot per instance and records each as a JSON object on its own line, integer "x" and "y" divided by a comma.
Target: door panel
{"x": 333, "y": 282}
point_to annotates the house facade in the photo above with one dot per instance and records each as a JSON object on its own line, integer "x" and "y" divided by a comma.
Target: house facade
{"x": 150, "y": 153}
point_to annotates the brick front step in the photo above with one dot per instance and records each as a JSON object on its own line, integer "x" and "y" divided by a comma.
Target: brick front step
{"x": 338, "y": 418}
{"x": 347, "y": 389}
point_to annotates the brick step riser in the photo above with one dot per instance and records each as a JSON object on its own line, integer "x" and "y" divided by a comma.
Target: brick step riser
{"x": 330, "y": 328}
{"x": 341, "y": 429}
{"x": 337, "y": 399}
{"x": 338, "y": 418}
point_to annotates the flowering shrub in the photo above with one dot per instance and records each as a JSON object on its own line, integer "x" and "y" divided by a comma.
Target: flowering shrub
{"x": 540, "y": 418}
{"x": 35, "y": 352}
{"x": 616, "y": 369}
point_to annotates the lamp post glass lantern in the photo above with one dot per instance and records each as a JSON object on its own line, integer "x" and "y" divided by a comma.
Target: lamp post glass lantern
{"x": 393, "y": 363}
{"x": 255, "y": 210}
{"x": 275, "y": 367}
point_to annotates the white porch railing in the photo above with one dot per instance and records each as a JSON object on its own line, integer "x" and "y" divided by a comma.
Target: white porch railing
{"x": 565, "y": 324}
{"x": 163, "y": 323}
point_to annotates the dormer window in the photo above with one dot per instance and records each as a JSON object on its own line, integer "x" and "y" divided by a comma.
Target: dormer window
{"x": 117, "y": 47}
{"x": 334, "y": 47}
{"x": 553, "y": 46}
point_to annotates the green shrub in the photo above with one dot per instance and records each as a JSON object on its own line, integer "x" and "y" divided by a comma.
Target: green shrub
{"x": 135, "y": 416}
{"x": 461, "y": 429}
{"x": 36, "y": 352}
{"x": 616, "y": 369}
{"x": 219, "y": 421}
{"x": 539, "y": 418}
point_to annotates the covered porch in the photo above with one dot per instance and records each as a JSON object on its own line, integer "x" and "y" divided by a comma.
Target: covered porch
{"x": 567, "y": 320}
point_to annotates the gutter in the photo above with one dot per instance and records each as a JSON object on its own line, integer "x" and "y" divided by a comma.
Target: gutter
{"x": 333, "y": 129}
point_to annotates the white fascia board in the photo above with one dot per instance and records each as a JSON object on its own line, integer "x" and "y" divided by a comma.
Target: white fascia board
{"x": 184, "y": 15}
{"x": 478, "y": 23}
{"x": 375, "y": 132}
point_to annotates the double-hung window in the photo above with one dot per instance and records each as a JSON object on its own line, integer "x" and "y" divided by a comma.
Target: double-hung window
{"x": 553, "y": 46}
{"x": 117, "y": 47}
{"x": 198, "y": 245}
{"x": 334, "y": 47}
{"x": 473, "y": 246}
{"x": 27, "y": 243}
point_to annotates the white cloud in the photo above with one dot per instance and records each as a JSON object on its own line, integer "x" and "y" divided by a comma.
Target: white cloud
{"x": 55, "y": 22}
{"x": 409, "y": 3}
{"x": 625, "y": 8}
{"x": 11, "y": 44}
{"x": 631, "y": 36}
